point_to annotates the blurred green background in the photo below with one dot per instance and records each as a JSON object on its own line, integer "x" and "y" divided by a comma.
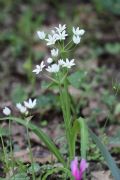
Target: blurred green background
{"x": 98, "y": 52}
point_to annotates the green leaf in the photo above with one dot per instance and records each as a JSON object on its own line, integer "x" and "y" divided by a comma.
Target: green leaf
{"x": 79, "y": 127}
{"x": 36, "y": 168}
{"x": 20, "y": 176}
{"x": 45, "y": 85}
{"x": 105, "y": 153}
{"x": 77, "y": 78}
{"x": 46, "y": 101}
{"x": 46, "y": 139}
{"x": 113, "y": 48}
{"x": 18, "y": 94}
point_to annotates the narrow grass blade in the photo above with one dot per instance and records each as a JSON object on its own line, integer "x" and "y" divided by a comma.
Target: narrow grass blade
{"x": 105, "y": 153}
{"x": 79, "y": 127}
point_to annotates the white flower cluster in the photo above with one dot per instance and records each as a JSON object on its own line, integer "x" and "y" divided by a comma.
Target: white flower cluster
{"x": 59, "y": 33}
{"x": 30, "y": 104}
{"x": 54, "y": 68}
{"x": 77, "y": 33}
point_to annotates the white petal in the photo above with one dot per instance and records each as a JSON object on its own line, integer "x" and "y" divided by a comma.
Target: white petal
{"x": 76, "y": 39}
{"x": 41, "y": 34}
{"x": 30, "y": 104}
{"x": 61, "y": 62}
{"x": 49, "y": 60}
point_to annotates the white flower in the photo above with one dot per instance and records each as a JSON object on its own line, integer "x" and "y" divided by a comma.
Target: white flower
{"x": 6, "y": 111}
{"x": 41, "y": 34}
{"x": 39, "y": 68}
{"x": 61, "y": 62}
{"x": 78, "y": 32}
{"x": 69, "y": 63}
{"x": 30, "y": 104}
{"x": 54, "y": 68}
{"x": 54, "y": 52}
{"x": 60, "y": 35}
{"x": 51, "y": 40}
{"x": 60, "y": 28}
{"x": 76, "y": 39}
{"x": 49, "y": 60}
{"x": 21, "y": 108}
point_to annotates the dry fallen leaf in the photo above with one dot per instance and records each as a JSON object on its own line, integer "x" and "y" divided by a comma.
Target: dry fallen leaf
{"x": 100, "y": 175}
{"x": 40, "y": 156}
{"x": 34, "y": 138}
{"x": 19, "y": 140}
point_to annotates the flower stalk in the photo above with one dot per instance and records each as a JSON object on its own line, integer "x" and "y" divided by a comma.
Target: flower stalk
{"x": 65, "y": 106}
{"x": 11, "y": 149}
{"x": 30, "y": 153}
{"x": 4, "y": 151}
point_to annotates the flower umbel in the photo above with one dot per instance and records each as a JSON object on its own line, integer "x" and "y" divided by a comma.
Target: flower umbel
{"x": 57, "y": 38}
{"x": 77, "y": 171}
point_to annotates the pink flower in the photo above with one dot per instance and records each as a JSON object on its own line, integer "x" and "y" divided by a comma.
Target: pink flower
{"x": 77, "y": 171}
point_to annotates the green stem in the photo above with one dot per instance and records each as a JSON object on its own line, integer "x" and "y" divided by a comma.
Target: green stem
{"x": 67, "y": 100}
{"x": 65, "y": 105}
{"x": 68, "y": 116}
{"x": 71, "y": 48}
{"x": 30, "y": 153}
{"x": 11, "y": 150}
{"x": 54, "y": 80}
{"x": 68, "y": 43}
{"x": 4, "y": 151}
